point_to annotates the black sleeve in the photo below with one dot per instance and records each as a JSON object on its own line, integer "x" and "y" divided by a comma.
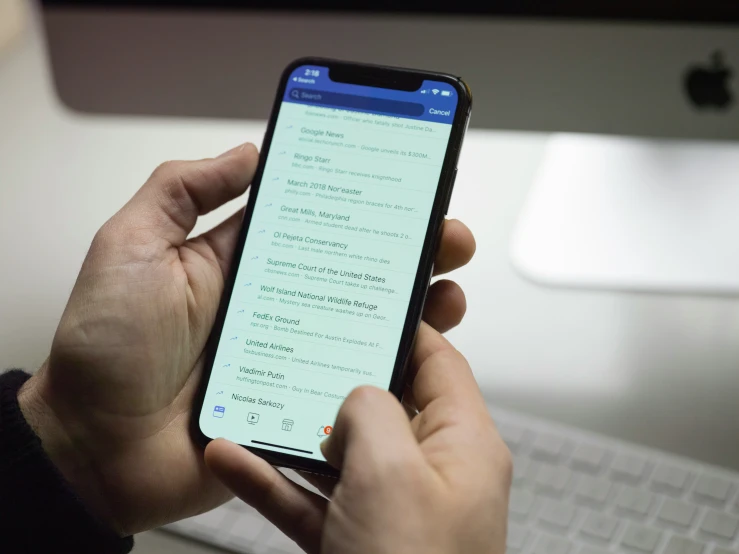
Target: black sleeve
{"x": 39, "y": 512}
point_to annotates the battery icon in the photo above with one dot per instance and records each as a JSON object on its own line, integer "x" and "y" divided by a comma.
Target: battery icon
{"x": 446, "y": 93}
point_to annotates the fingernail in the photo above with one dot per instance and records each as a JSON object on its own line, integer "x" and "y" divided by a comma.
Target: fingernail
{"x": 234, "y": 150}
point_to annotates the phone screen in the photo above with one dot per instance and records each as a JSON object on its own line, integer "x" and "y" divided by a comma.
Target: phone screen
{"x": 330, "y": 258}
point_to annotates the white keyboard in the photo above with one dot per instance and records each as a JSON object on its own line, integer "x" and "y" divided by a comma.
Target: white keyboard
{"x": 573, "y": 493}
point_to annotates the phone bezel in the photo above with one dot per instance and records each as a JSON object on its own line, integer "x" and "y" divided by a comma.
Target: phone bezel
{"x": 360, "y": 74}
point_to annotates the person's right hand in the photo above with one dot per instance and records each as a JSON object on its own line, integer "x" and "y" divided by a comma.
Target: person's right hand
{"x": 437, "y": 484}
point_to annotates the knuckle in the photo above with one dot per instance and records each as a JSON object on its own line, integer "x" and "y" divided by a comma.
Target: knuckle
{"x": 169, "y": 178}
{"x": 101, "y": 237}
{"x": 170, "y": 182}
{"x": 454, "y": 356}
{"x": 166, "y": 170}
{"x": 104, "y": 235}
{"x": 448, "y": 356}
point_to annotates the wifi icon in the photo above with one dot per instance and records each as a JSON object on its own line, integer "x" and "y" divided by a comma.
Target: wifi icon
{"x": 435, "y": 90}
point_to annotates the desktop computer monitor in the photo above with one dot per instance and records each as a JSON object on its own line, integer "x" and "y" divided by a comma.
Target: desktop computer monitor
{"x": 626, "y": 70}
{"x": 624, "y": 198}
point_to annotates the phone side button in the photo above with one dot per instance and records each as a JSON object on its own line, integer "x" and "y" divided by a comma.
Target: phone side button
{"x": 449, "y": 194}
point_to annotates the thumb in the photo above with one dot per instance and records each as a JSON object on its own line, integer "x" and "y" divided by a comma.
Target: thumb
{"x": 170, "y": 202}
{"x": 370, "y": 427}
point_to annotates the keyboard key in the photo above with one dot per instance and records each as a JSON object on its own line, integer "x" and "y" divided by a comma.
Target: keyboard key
{"x": 591, "y": 550}
{"x": 557, "y": 514}
{"x": 719, "y": 550}
{"x": 677, "y": 512}
{"x": 552, "y": 545}
{"x": 670, "y": 479}
{"x": 548, "y": 447}
{"x": 641, "y": 538}
{"x": 720, "y": 524}
{"x": 589, "y": 457}
{"x": 516, "y": 540}
{"x": 552, "y": 479}
{"x": 634, "y": 501}
{"x": 626, "y": 467}
{"x": 712, "y": 488}
{"x": 682, "y": 545}
{"x": 592, "y": 490}
{"x": 599, "y": 526}
{"x": 520, "y": 504}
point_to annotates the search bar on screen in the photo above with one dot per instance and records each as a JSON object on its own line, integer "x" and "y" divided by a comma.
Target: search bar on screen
{"x": 349, "y": 101}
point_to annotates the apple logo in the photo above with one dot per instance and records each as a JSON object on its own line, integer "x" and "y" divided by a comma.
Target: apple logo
{"x": 707, "y": 86}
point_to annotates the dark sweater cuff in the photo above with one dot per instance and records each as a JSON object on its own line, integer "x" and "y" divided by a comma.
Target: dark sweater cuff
{"x": 41, "y": 512}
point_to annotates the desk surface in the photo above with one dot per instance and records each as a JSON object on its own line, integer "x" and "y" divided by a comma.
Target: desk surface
{"x": 661, "y": 370}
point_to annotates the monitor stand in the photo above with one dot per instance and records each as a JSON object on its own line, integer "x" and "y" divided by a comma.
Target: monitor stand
{"x": 632, "y": 214}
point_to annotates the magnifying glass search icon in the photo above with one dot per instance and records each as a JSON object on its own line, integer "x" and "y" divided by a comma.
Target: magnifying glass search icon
{"x": 295, "y": 94}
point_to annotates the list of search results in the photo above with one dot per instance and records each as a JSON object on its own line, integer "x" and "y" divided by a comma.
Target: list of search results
{"x": 331, "y": 255}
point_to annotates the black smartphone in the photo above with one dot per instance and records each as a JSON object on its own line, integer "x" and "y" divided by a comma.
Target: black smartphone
{"x": 335, "y": 254}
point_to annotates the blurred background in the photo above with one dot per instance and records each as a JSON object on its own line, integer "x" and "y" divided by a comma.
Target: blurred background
{"x": 600, "y": 176}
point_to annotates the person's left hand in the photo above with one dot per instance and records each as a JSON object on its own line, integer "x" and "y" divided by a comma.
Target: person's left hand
{"x": 112, "y": 403}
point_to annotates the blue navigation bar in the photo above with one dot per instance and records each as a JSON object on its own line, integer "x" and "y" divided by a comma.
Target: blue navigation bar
{"x": 433, "y": 101}
{"x": 367, "y": 103}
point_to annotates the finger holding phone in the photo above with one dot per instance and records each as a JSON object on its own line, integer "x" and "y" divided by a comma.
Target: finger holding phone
{"x": 438, "y": 483}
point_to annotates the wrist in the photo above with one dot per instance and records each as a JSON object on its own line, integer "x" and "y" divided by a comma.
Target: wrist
{"x": 64, "y": 442}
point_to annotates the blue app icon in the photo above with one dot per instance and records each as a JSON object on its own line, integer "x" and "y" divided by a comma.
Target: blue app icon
{"x": 219, "y": 411}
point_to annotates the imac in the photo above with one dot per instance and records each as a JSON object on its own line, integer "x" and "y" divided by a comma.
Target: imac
{"x": 637, "y": 186}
